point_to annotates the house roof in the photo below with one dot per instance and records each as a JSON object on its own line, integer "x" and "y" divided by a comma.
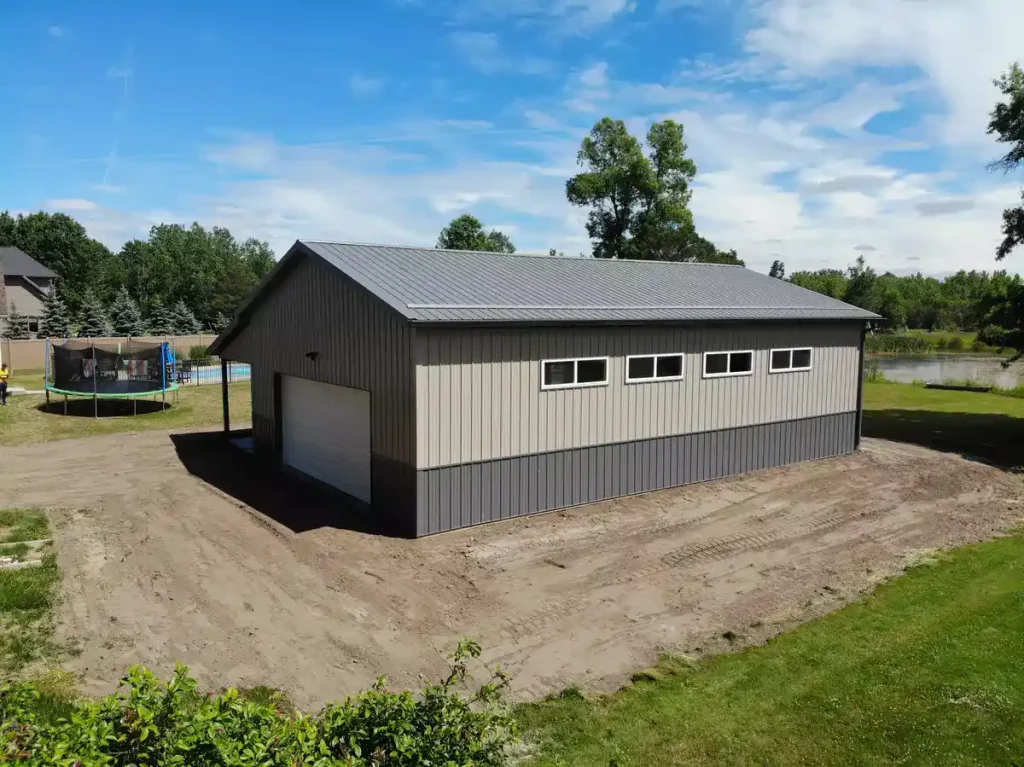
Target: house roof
{"x": 431, "y": 285}
{"x": 18, "y": 263}
{"x": 434, "y": 286}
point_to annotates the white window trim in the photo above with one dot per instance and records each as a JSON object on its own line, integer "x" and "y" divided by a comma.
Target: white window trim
{"x": 607, "y": 373}
{"x": 656, "y": 378}
{"x": 773, "y": 369}
{"x": 704, "y": 363}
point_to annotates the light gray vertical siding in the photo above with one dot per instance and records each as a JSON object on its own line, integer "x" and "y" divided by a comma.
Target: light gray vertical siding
{"x": 360, "y": 343}
{"x": 24, "y": 298}
{"x": 450, "y": 497}
{"x": 479, "y": 392}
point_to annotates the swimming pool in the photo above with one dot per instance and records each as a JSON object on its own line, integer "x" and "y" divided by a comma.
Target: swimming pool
{"x": 210, "y": 374}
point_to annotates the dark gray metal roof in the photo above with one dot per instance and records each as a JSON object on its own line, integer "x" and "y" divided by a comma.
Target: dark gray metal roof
{"x": 428, "y": 285}
{"x": 17, "y": 262}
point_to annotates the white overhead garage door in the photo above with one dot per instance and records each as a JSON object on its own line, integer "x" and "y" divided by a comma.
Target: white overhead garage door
{"x": 326, "y": 433}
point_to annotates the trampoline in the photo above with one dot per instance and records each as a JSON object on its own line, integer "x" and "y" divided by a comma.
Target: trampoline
{"x": 110, "y": 370}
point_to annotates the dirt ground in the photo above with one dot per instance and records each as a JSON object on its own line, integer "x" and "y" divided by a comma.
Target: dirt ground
{"x": 160, "y": 566}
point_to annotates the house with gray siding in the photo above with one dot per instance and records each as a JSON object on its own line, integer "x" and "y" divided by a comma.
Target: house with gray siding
{"x": 24, "y": 284}
{"x": 444, "y": 389}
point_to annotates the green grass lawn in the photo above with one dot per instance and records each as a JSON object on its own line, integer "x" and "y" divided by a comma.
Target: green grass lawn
{"x": 981, "y": 425}
{"x": 25, "y": 418}
{"x": 929, "y": 670}
{"x": 27, "y": 596}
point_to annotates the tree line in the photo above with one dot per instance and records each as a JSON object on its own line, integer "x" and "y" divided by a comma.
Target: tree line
{"x": 177, "y": 281}
{"x": 973, "y": 300}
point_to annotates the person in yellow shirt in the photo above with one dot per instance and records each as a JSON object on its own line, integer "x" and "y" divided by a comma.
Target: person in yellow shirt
{"x": 4, "y": 375}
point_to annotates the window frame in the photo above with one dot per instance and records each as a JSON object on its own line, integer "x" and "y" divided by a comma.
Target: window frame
{"x": 575, "y": 371}
{"x": 728, "y": 373}
{"x": 656, "y": 378}
{"x": 791, "y": 350}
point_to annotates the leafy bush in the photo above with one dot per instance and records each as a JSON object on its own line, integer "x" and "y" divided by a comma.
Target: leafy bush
{"x": 199, "y": 352}
{"x": 952, "y": 343}
{"x": 993, "y": 335}
{"x": 149, "y": 722}
{"x": 892, "y": 343}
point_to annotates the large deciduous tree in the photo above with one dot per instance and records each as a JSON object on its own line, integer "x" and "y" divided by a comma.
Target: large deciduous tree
{"x": 467, "y": 233}
{"x": 1007, "y": 124}
{"x": 207, "y": 269}
{"x": 639, "y": 203}
{"x": 778, "y": 270}
{"x": 59, "y": 242}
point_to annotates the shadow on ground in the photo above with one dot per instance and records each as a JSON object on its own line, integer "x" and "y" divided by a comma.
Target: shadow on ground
{"x": 259, "y": 483}
{"x": 989, "y": 437}
{"x": 80, "y": 407}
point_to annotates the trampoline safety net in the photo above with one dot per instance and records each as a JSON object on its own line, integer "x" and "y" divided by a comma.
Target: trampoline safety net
{"x": 112, "y": 369}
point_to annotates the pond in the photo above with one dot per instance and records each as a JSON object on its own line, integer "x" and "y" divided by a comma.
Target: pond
{"x": 950, "y": 367}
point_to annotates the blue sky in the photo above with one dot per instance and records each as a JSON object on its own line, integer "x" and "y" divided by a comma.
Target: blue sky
{"x": 822, "y": 129}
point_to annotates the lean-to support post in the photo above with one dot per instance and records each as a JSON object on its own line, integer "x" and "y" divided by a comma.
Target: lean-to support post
{"x": 224, "y": 396}
{"x": 95, "y": 370}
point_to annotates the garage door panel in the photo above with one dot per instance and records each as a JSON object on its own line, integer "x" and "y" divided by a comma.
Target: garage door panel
{"x": 326, "y": 433}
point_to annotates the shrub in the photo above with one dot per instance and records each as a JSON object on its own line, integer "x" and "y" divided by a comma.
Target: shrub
{"x": 993, "y": 335}
{"x": 199, "y": 352}
{"x": 953, "y": 344}
{"x": 892, "y": 343}
{"x": 156, "y": 723}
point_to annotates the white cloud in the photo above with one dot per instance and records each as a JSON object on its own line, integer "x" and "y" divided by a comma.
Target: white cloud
{"x": 958, "y": 46}
{"x": 366, "y": 86}
{"x": 484, "y": 51}
{"x": 71, "y": 203}
{"x": 571, "y": 16}
{"x": 595, "y": 76}
{"x": 57, "y": 30}
{"x": 541, "y": 120}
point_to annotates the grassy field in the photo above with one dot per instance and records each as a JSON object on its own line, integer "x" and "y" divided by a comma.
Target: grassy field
{"x": 929, "y": 670}
{"x": 27, "y": 596}
{"x": 25, "y": 419}
{"x": 981, "y": 425}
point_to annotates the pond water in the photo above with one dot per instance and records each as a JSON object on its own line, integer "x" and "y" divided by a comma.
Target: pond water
{"x": 950, "y": 367}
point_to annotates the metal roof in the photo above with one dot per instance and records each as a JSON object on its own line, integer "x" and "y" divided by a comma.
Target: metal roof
{"x": 428, "y": 285}
{"x": 18, "y": 263}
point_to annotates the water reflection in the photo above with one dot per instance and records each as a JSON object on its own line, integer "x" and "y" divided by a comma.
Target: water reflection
{"x": 952, "y": 367}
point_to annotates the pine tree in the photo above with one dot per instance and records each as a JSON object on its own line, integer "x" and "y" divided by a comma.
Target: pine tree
{"x": 125, "y": 315}
{"x": 94, "y": 322}
{"x": 221, "y": 322}
{"x": 16, "y": 328}
{"x": 56, "y": 321}
{"x": 161, "y": 321}
{"x": 185, "y": 322}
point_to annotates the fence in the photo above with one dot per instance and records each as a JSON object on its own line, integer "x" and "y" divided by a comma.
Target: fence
{"x": 31, "y": 355}
{"x": 200, "y": 372}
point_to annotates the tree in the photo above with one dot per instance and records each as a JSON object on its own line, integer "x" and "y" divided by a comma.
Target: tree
{"x": 56, "y": 320}
{"x": 185, "y": 322}
{"x": 161, "y": 321}
{"x": 467, "y": 233}
{"x": 221, "y": 322}
{"x": 1007, "y": 123}
{"x": 860, "y": 291}
{"x": 639, "y": 203}
{"x": 16, "y": 328}
{"x": 778, "y": 270}
{"x": 59, "y": 242}
{"x": 125, "y": 315}
{"x": 831, "y": 282}
{"x": 93, "y": 319}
